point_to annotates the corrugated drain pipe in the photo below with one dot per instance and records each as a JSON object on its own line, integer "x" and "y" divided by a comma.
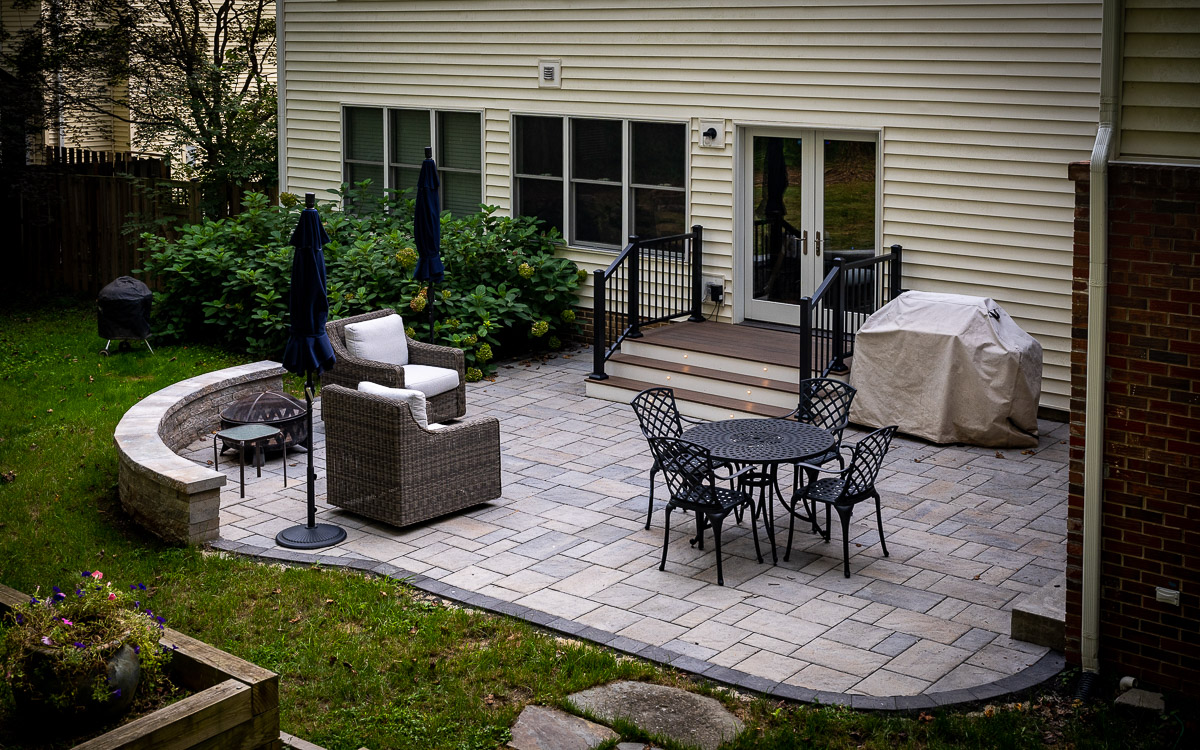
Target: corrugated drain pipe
{"x": 1093, "y": 447}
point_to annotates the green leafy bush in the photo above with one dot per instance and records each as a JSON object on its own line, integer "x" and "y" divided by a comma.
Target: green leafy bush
{"x": 227, "y": 280}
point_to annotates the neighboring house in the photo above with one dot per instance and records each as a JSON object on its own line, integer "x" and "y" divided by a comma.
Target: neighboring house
{"x": 1133, "y": 564}
{"x": 946, "y": 128}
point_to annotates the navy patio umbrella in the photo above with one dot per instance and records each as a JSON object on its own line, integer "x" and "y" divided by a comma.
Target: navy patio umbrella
{"x": 308, "y": 351}
{"x": 427, "y": 226}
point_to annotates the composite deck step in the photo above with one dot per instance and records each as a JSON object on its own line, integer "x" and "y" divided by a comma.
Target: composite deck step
{"x": 705, "y": 372}
{"x": 684, "y": 398}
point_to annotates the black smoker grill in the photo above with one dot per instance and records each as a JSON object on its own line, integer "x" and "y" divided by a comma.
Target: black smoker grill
{"x": 272, "y": 408}
{"x": 124, "y": 312}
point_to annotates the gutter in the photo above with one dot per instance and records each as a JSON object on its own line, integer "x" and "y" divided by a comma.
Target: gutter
{"x": 1093, "y": 436}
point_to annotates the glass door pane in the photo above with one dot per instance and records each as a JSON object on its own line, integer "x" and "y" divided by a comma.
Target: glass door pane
{"x": 777, "y": 243}
{"x": 848, "y": 211}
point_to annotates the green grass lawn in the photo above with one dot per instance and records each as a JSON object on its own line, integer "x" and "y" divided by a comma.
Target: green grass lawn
{"x": 365, "y": 661}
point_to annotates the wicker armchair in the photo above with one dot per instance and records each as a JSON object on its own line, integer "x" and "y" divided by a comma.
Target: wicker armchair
{"x": 350, "y": 370}
{"x": 383, "y": 465}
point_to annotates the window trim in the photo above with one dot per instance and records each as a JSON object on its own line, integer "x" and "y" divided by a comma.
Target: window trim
{"x": 387, "y": 164}
{"x": 626, "y": 185}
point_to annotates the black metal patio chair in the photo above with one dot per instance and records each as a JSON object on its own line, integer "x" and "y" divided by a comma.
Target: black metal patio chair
{"x": 842, "y": 491}
{"x": 659, "y": 416}
{"x": 691, "y": 478}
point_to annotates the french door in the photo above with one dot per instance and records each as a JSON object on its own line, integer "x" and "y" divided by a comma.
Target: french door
{"x": 808, "y": 196}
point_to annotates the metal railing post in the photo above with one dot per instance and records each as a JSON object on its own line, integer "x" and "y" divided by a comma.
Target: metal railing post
{"x": 805, "y": 338}
{"x": 894, "y": 271}
{"x": 635, "y": 280}
{"x": 697, "y": 315}
{"x": 599, "y": 345}
{"x": 837, "y": 362}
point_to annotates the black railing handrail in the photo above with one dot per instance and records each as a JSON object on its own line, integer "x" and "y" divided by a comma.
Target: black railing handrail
{"x": 833, "y": 291}
{"x": 627, "y": 266}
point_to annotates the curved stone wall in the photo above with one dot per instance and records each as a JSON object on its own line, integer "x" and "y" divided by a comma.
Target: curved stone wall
{"x": 177, "y": 499}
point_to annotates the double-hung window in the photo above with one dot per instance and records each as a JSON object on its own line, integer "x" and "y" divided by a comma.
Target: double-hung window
{"x": 599, "y": 180}
{"x": 395, "y": 161}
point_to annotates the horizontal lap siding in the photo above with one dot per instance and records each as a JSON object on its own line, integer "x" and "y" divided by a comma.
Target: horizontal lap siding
{"x": 981, "y": 107}
{"x": 1160, "y": 90}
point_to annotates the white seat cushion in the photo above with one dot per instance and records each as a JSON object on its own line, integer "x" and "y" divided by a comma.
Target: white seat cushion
{"x": 430, "y": 380}
{"x": 414, "y": 399}
{"x": 379, "y": 340}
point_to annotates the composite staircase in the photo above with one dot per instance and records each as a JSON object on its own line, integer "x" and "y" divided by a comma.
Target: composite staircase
{"x": 717, "y": 370}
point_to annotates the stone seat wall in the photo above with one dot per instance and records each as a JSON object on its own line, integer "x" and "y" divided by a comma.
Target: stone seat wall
{"x": 174, "y": 498}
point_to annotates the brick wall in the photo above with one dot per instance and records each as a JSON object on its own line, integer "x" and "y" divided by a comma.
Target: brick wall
{"x": 1151, "y": 512}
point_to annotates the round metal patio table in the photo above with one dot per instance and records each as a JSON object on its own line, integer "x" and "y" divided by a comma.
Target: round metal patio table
{"x": 762, "y": 444}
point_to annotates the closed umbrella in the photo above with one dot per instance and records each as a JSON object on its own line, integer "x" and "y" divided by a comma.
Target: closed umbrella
{"x": 308, "y": 351}
{"x": 427, "y": 226}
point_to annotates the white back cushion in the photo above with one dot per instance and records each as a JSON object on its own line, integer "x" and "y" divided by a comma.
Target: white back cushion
{"x": 379, "y": 340}
{"x": 414, "y": 399}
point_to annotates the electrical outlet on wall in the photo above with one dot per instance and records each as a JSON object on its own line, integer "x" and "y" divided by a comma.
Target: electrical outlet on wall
{"x": 714, "y": 289}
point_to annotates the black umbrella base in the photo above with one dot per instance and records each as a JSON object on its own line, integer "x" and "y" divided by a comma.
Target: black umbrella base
{"x": 315, "y": 537}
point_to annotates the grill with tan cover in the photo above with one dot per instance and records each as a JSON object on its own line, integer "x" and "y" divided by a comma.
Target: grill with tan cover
{"x": 948, "y": 368}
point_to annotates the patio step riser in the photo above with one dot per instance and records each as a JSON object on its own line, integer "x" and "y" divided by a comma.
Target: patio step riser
{"x": 711, "y": 361}
{"x": 603, "y": 390}
{"x": 758, "y": 394}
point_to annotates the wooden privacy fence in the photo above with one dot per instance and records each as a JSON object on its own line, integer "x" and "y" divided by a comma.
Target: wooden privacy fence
{"x": 70, "y": 230}
{"x": 69, "y": 219}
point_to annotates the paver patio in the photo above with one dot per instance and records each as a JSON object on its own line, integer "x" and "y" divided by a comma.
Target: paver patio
{"x": 969, "y": 530}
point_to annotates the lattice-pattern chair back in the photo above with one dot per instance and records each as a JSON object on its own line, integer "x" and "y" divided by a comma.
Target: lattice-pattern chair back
{"x": 657, "y": 413}
{"x": 868, "y": 458}
{"x": 825, "y": 403}
{"x": 688, "y": 469}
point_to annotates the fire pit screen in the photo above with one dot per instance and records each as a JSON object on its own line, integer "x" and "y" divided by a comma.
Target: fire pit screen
{"x": 272, "y": 408}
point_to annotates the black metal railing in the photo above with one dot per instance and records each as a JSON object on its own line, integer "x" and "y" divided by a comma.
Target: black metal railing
{"x": 651, "y": 281}
{"x": 847, "y": 296}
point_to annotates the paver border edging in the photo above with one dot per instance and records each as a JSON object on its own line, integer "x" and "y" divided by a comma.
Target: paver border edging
{"x": 174, "y": 498}
{"x": 1045, "y": 668}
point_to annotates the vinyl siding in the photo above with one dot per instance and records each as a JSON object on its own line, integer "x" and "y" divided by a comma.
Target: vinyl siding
{"x": 980, "y": 106}
{"x": 1160, "y": 88}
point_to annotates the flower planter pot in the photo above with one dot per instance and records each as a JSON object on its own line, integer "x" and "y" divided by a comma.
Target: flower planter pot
{"x": 234, "y": 703}
{"x": 123, "y": 672}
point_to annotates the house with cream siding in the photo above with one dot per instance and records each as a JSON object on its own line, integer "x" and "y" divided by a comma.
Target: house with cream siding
{"x": 945, "y": 127}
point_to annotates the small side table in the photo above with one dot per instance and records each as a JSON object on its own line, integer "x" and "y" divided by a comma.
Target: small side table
{"x": 253, "y": 435}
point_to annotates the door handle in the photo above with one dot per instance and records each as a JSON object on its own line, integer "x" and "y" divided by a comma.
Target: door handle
{"x": 804, "y": 242}
{"x": 817, "y": 245}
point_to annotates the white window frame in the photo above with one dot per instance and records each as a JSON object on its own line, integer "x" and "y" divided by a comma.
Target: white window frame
{"x": 627, "y": 186}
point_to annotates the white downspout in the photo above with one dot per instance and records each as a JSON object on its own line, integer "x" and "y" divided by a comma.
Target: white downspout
{"x": 280, "y": 94}
{"x": 1093, "y": 440}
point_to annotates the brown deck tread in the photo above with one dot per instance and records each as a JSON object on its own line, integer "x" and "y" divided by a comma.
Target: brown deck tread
{"x": 636, "y": 386}
{"x": 705, "y": 372}
{"x": 741, "y": 342}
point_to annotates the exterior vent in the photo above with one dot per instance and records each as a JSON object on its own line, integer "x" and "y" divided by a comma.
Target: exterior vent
{"x": 550, "y": 74}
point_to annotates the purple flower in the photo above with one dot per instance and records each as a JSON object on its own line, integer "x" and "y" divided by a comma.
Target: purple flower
{"x": 137, "y": 605}
{"x": 137, "y": 649}
{"x": 57, "y": 590}
{"x": 161, "y": 619}
{"x": 142, "y": 586}
{"x": 34, "y": 600}
{"x": 80, "y": 645}
{"x": 117, "y": 692}
{"x": 46, "y": 640}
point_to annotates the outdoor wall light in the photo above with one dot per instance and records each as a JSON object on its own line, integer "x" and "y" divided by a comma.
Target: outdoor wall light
{"x": 710, "y": 134}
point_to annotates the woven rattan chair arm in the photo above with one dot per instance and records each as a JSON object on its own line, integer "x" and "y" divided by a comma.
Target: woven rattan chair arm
{"x": 420, "y": 353}
{"x": 351, "y": 368}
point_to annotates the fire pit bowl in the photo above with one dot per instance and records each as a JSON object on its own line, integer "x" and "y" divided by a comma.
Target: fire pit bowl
{"x": 272, "y": 408}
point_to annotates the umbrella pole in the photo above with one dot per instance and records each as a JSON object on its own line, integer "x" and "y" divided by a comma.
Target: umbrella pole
{"x": 314, "y": 535}
{"x": 431, "y": 297}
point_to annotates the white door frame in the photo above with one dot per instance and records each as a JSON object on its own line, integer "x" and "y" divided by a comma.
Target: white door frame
{"x": 813, "y": 197}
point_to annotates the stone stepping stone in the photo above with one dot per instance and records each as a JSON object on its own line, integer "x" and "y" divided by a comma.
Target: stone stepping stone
{"x": 542, "y": 728}
{"x": 695, "y": 720}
